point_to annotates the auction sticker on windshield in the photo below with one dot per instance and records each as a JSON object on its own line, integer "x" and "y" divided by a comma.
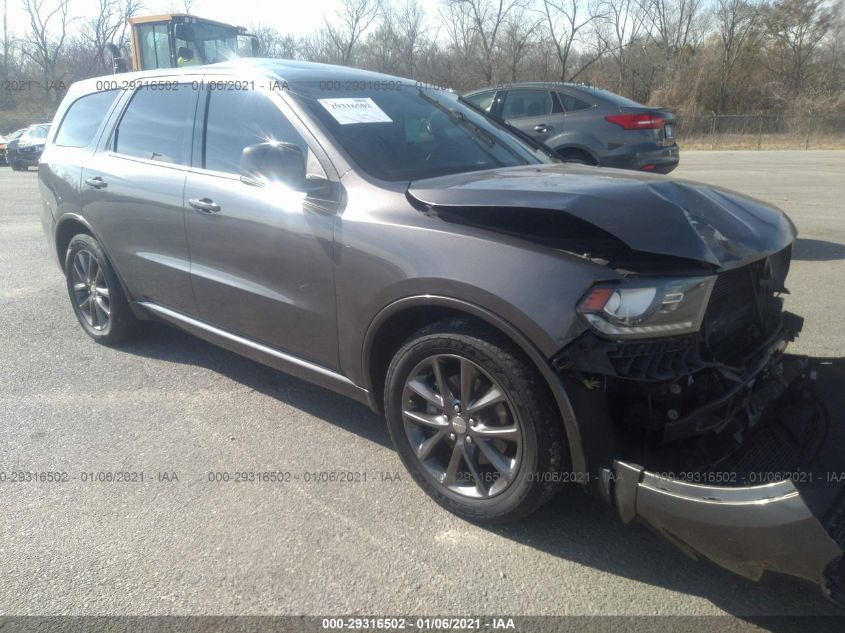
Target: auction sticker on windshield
{"x": 355, "y": 110}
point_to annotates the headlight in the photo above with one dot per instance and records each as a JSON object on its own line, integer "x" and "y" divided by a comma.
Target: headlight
{"x": 644, "y": 308}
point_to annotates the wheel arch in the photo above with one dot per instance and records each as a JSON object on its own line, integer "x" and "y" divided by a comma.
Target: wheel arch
{"x": 71, "y": 224}
{"x": 563, "y": 150}
{"x": 68, "y": 226}
{"x": 395, "y": 323}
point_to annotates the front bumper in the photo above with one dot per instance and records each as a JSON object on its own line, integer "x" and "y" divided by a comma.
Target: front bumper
{"x": 791, "y": 520}
{"x": 25, "y": 158}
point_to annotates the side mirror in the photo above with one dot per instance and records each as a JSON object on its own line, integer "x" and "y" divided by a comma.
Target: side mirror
{"x": 267, "y": 163}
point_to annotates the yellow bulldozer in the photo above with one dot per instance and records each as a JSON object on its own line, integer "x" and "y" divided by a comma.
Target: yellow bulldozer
{"x": 178, "y": 39}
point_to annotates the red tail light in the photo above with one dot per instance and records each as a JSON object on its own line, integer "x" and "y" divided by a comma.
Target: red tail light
{"x": 637, "y": 121}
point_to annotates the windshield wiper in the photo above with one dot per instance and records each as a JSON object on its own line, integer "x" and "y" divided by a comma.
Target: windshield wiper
{"x": 526, "y": 138}
{"x": 461, "y": 118}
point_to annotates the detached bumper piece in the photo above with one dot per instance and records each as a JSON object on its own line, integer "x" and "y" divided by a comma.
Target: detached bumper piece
{"x": 791, "y": 522}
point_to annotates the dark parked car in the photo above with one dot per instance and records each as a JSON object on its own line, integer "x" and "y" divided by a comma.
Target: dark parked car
{"x": 583, "y": 124}
{"x": 26, "y": 150}
{"x": 520, "y": 321}
{"x": 5, "y": 141}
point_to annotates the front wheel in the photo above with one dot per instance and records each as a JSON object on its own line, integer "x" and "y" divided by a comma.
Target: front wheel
{"x": 474, "y": 423}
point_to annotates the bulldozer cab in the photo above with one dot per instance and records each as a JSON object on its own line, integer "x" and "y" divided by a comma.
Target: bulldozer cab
{"x": 174, "y": 40}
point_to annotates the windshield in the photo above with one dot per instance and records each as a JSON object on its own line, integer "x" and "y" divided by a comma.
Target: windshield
{"x": 36, "y": 132}
{"x": 408, "y": 134}
{"x": 215, "y": 43}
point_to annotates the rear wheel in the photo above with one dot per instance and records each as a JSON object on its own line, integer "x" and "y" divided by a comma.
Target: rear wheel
{"x": 473, "y": 422}
{"x": 95, "y": 293}
{"x": 577, "y": 156}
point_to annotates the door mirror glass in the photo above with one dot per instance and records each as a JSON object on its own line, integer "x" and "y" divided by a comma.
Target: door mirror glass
{"x": 273, "y": 163}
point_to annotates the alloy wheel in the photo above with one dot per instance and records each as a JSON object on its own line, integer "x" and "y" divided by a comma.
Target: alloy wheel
{"x": 90, "y": 291}
{"x": 462, "y": 426}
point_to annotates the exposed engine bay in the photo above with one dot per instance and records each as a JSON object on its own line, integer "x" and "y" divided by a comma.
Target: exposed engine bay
{"x": 712, "y": 386}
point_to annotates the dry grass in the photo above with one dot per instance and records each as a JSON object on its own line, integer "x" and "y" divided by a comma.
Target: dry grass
{"x": 762, "y": 142}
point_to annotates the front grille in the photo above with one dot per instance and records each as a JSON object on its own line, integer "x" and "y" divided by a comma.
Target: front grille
{"x": 743, "y": 309}
{"x": 656, "y": 360}
{"x": 731, "y": 316}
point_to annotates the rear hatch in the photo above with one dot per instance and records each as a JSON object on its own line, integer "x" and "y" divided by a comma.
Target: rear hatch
{"x": 777, "y": 505}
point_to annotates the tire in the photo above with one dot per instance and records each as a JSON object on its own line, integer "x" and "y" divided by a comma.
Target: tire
{"x": 575, "y": 156}
{"x": 109, "y": 319}
{"x": 16, "y": 167}
{"x": 533, "y": 456}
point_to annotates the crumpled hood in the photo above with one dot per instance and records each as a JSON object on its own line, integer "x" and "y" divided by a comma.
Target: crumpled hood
{"x": 649, "y": 213}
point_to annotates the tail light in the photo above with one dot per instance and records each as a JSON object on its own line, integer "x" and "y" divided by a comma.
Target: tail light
{"x": 637, "y": 121}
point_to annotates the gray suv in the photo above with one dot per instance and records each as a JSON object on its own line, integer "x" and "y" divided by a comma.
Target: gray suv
{"x": 587, "y": 125}
{"x": 521, "y": 322}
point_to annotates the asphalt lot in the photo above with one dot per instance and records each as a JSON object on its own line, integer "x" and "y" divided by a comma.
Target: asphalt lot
{"x": 171, "y": 403}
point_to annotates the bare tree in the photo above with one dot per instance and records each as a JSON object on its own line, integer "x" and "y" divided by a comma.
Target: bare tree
{"x": 621, "y": 27}
{"x": 675, "y": 24}
{"x": 736, "y": 21}
{"x": 276, "y": 44}
{"x": 109, "y": 26}
{"x": 412, "y": 33}
{"x": 486, "y": 19}
{"x": 796, "y": 27}
{"x": 566, "y": 21}
{"x": 382, "y": 44}
{"x": 45, "y": 41}
{"x": 355, "y": 17}
{"x": 6, "y": 41}
{"x": 519, "y": 34}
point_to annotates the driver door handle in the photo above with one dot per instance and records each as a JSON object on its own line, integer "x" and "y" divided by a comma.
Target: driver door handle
{"x": 542, "y": 128}
{"x": 96, "y": 182}
{"x": 204, "y": 205}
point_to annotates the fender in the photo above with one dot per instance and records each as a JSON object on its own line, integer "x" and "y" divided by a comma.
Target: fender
{"x": 66, "y": 217}
{"x": 570, "y": 423}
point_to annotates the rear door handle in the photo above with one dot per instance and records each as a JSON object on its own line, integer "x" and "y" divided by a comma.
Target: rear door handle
{"x": 204, "y": 205}
{"x": 96, "y": 182}
{"x": 542, "y": 128}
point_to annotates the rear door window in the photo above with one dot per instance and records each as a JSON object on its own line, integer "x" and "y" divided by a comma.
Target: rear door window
{"x": 483, "y": 100}
{"x": 525, "y": 103}
{"x": 83, "y": 118}
{"x": 571, "y": 103}
{"x": 158, "y": 124}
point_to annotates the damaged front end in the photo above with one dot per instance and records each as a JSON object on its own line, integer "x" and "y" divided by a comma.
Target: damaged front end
{"x": 774, "y": 504}
{"x": 692, "y": 417}
{"x": 718, "y": 440}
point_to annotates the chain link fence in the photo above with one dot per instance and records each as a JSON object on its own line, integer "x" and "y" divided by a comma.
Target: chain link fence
{"x": 761, "y": 131}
